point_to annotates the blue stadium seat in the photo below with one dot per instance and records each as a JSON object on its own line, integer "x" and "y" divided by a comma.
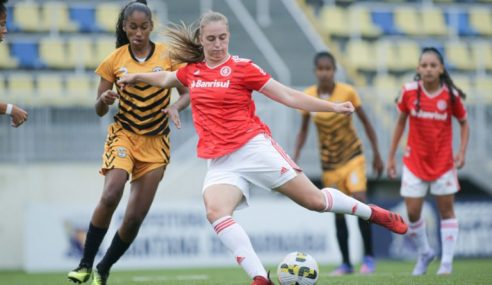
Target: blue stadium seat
{"x": 85, "y": 17}
{"x": 27, "y": 54}
{"x": 461, "y": 19}
{"x": 385, "y": 20}
{"x": 11, "y": 26}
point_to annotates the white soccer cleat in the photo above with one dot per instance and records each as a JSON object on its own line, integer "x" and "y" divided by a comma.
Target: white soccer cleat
{"x": 445, "y": 269}
{"x": 423, "y": 262}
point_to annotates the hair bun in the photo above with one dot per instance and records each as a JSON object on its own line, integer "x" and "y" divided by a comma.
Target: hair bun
{"x": 4, "y": 2}
{"x": 142, "y": 1}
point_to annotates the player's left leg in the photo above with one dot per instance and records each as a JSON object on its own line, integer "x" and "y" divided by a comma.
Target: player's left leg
{"x": 302, "y": 191}
{"x": 142, "y": 194}
{"x": 449, "y": 232}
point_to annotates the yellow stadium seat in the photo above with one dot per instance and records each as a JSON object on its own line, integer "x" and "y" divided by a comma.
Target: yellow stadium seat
{"x": 361, "y": 55}
{"x": 407, "y": 20}
{"x": 387, "y": 87}
{"x": 361, "y": 23}
{"x": 463, "y": 82}
{"x": 482, "y": 52}
{"x": 481, "y": 20}
{"x": 53, "y": 52}
{"x": 80, "y": 90}
{"x": 107, "y": 15}
{"x": 483, "y": 85}
{"x": 81, "y": 53}
{"x": 387, "y": 57}
{"x": 433, "y": 22}
{"x": 333, "y": 21}
{"x": 55, "y": 16}
{"x": 408, "y": 54}
{"x": 21, "y": 88}
{"x": 104, "y": 47}
{"x": 6, "y": 60}
{"x": 50, "y": 90}
{"x": 459, "y": 56}
{"x": 27, "y": 16}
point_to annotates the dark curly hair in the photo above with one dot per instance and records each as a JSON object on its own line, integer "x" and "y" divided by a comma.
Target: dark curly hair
{"x": 3, "y": 9}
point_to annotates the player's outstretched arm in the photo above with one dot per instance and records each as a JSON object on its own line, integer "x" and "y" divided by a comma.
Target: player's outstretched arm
{"x": 399, "y": 128}
{"x": 298, "y": 100}
{"x": 181, "y": 104}
{"x": 163, "y": 79}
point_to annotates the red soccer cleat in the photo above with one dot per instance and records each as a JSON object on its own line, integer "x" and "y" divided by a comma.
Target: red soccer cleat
{"x": 387, "y": 219}
{"x": 260, "y": 280}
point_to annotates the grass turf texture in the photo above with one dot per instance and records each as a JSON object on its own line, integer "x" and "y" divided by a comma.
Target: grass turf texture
{"x": 472, "y": 271}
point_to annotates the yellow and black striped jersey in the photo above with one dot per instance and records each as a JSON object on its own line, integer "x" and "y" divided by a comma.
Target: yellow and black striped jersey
{"x": 338, "y": 141}
{"x": 140, "y": 105}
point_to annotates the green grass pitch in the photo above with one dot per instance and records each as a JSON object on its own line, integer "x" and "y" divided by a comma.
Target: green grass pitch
{"x": 466, "y": 271}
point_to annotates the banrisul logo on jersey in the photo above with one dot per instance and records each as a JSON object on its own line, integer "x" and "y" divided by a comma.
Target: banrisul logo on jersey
{"x": 210, "y": 84}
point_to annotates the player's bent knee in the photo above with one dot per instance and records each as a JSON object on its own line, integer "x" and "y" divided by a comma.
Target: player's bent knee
{"x": 315, "y": 203}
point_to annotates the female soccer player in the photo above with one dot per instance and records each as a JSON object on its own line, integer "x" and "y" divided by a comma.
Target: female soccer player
{"x": 238, "y": 146}
{"x": 341, "y": 153}
{"x": 429, "y": 102}
{"x": 137, "y": 144}
{"x": 17, "y": 115}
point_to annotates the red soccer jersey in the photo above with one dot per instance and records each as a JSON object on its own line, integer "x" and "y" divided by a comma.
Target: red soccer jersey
{"x": 429, "y": 151}
{"x": 223, "y": 110}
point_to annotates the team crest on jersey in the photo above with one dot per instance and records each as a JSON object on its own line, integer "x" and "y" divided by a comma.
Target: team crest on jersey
{"x": 225, "y": 71}
{"x": 157, "y": 69}
{"x": 442, "y": 105}
{"x": 123, "y": 70}
{"x": 121, "y": 152}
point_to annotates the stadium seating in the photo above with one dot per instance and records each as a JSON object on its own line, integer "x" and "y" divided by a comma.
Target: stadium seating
{"x": 27, "y": 17}
{"x": 458, "y": 56}
{"x": 333, "y": 21}
{"x": 103, "y": 47}
{"x": 361, "y": 55}
{"x": 53, "y": 53}
{"x": 6, "y": 59}
{"x": 81, "y": 89}
{"x": 482, "y": 52}
{"x": 21, "y": 87}
{"x": 56, "y": 17}
{"x": 50, "y": 89}
{"x": 407, "y": 20}
{"x": 81, "y": 53}
{"x": 433, "y": 22}
{"x": 361, "y": 23}
{"x": 106, "y": 13}
{"x": 481, "y": 21}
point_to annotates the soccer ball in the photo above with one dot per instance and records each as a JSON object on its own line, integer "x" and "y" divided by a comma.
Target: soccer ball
{"x": 298, "y": 268}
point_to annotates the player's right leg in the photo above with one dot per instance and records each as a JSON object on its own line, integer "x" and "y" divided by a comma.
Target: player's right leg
{"x": 114, "y": 184}
{"x": 302, "y": 191}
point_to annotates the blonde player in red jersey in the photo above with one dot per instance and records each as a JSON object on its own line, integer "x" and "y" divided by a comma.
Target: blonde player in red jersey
{"x": 237, "y": 144}
{"x": 341, "y": 153}
{"x": 137, "y": 146}
{"x": 429, "y": 103}
{"x": 17, "y": 115}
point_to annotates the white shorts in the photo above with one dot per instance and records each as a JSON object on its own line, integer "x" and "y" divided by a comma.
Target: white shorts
{"x": 261, "y": 162}
{"x": 414, "y": 187}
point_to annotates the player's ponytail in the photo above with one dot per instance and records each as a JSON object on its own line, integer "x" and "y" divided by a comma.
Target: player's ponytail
{"x": 184, "y": 40}
{"x": 138, "y": 5}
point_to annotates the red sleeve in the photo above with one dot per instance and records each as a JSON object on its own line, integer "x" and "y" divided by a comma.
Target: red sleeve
{"x": 401, "y": 103}
{"x": 254, "y": 78}
{"x": 459, "y": 110}
{"x": 182, "y": 75}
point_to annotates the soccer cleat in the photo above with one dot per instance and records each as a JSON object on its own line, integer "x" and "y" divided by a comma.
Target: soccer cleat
{"x": 423, "y": 262}
{"x": 445, "y": 269}
{"x": 260, "y": 280}
{"x": 387, "y": 219}
{"x": 343, "y": 269}
{"x": 80, "y": 274}
{"x": 368, "y": 265}
{"x": 99, "y": 278}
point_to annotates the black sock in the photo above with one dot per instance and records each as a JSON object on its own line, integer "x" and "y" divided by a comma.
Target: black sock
{"x": 342, "y": 237}
{"x": 366, "y": 232}
{"x": 93, "y": 240}
{"x": 115, "y": 251}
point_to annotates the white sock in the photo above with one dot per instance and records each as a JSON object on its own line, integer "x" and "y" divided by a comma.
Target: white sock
{"x": 449, "y": 235}
{"x": 417, "y": 233}
{"x": 339, "y": 203}
{"x": 233, "y": 236}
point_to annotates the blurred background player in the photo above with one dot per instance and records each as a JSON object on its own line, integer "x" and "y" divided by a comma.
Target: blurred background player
{"x": 240, "y": 151}
{"x": 17, "y": 115}
{"x": 137, "y": 144}
{"x": 430, "y": 102}
{"x": 342, "y": 158}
